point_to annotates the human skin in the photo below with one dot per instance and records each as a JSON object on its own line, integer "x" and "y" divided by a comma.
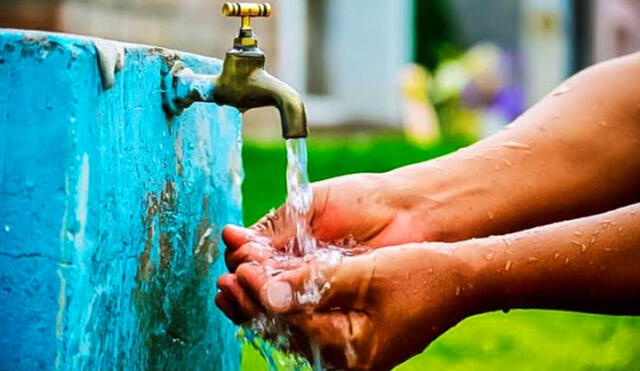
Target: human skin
{"x": 387, "y": 305}
{"x": 575, "y": 153}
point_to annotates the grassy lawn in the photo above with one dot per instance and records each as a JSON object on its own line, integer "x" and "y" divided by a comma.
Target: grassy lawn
{"x": 519, "y": 340}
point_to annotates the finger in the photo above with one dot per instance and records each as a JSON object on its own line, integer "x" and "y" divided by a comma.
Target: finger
{"x": 229, "y": 309}
{"x": 296, "y": 289}
{"x": 236, "y": 294}
{"x": 249, "y": 252}
{"x": 278, "y": 294}
{"x": 234, "y": 236}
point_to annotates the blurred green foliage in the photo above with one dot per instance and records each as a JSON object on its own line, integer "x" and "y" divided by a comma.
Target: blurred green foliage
{"x": 434, "y": 36}
{"x": 264, "y": 185}
{"x": 520, "y": 340}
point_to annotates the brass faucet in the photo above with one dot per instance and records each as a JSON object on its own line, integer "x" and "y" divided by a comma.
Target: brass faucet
{"x": 243, "y": 83}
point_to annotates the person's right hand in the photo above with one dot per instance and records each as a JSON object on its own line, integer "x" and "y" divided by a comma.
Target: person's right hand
{"x": 377, "y": 309}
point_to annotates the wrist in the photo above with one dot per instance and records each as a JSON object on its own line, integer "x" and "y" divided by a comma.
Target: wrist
{"x": 485, "y": 271}
{"x": 443, "y": 205}
{"x": 458, "y": 271}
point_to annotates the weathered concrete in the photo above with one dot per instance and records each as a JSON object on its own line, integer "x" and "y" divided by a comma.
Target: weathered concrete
{"x": 110, "y": 210}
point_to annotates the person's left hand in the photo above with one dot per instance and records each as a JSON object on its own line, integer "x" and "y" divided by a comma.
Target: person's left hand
{"x": 379, "y": 309}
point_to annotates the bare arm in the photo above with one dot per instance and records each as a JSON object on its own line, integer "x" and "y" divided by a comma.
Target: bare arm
{"x": 590, "y": 264}
{"x": 575, "y": 153}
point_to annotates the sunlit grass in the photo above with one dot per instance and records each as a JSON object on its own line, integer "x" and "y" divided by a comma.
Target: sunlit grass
{"x": 520, "y": 340}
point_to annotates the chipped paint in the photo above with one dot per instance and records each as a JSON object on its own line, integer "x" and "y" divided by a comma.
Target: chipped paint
{"x": 82, "y": 202}
{"x": 110, "y": 60}
{"x": 112, "y": 218}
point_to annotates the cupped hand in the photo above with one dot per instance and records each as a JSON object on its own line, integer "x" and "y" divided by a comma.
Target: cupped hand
{"x": 378, "y": 309}
{"x": 371, "y": 210}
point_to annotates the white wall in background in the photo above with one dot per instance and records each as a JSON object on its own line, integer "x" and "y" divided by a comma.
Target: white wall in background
{"x": 545, "y": 45}
{"x": 616, "y": 28}
{"x": 366, "y": 44}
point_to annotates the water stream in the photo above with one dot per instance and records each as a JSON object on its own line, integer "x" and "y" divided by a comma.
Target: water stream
{"x": 299, "y": 198}
{"x": 303, "y": 244}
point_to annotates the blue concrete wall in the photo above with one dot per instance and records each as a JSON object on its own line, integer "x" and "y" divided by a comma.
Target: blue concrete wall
{"x": 110, "y": 210}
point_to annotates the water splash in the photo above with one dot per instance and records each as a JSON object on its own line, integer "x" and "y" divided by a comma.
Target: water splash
{"x": 302, "y": 245}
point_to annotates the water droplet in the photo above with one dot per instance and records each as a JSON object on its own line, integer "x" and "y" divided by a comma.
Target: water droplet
{"x": 532, "y": 259}
{"x": 458, "y": 289}
{"x": 577, "y": 233}
{"x": 556, "y": 255}
{"x": 592, "y": 241}
{"x": 604, "y": 124}
{"x": 582, "y": 246}
{"x": 507, "y": 162}
{"x": 562, "y": 89}
{"x": 489, "y": 256}
{"x": 7, "y": 228}
{"x": 490, "y": 214}
{"x": 566, "y": 260}
{"x": 507, "y": 266}
{"x": 436, "y": 167}
{"x": 516, "y": 145}
{"x": 619, "y": 229}
{"x": 507, "y": 244}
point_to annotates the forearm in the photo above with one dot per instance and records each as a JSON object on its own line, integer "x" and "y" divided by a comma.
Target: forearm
{"x": 571, "y": 155}
{"x": 590, "y": 264}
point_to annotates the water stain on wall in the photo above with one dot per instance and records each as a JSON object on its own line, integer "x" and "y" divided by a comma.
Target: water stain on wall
{"x": 172, "y": 284}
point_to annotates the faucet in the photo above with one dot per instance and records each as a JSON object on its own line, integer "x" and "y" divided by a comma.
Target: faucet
{"x": 243, "y": 83}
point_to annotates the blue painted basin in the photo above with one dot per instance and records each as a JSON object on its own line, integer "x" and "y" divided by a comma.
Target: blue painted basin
{"x": 110, "y": 209}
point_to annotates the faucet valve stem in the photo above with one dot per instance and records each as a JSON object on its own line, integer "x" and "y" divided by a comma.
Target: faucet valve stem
{"x": 246, "y": 38}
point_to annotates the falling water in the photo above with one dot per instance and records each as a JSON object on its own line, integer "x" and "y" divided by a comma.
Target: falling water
{"x": 303, "y": 244}
{"x": 299, "y": 198}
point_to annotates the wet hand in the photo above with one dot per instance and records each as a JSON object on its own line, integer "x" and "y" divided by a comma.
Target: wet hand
{"x": 379, "y": 309}
{"x": 371, "y": 210}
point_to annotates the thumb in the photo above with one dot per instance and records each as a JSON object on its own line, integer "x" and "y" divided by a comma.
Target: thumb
{"x": 312, "y": 285}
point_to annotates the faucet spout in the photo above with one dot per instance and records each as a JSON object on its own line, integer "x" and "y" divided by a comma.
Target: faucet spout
{"x": 244, "y": 84}
{"x": 293, "y": 118}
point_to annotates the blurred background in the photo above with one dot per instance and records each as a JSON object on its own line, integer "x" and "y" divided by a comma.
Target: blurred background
{"x": 391, "y": 82}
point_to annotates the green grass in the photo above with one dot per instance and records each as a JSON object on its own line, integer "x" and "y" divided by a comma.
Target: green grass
{"x": 520, "y": 340}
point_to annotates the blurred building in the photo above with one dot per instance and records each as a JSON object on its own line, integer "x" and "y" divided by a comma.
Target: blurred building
{"x": 345, "y": 57}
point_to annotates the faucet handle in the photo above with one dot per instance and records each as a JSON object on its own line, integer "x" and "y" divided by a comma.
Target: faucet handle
{"x": 233, "y": 9}
{"x": 246, "y": 38}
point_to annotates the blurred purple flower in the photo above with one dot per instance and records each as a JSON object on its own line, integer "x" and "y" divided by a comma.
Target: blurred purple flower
{"x": 509, "y": 102}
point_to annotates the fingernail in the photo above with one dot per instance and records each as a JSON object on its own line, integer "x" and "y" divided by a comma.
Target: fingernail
{"x": 279, "y": 295}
